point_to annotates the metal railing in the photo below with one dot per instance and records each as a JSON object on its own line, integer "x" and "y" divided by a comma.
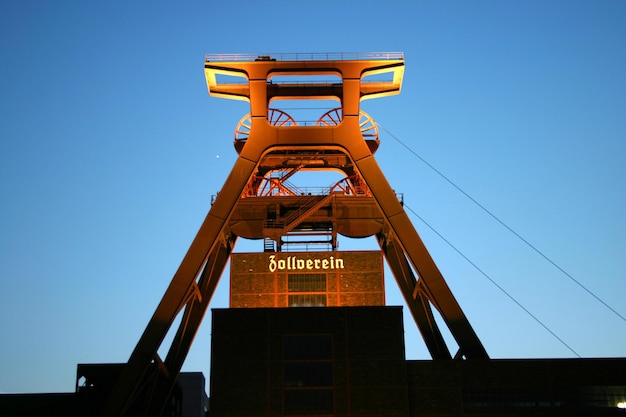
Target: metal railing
{"x": 305, "y": 56}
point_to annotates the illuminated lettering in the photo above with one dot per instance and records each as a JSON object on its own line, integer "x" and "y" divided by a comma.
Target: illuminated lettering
{"x": 272, "y": 263}
{"x": 295, "y": 263}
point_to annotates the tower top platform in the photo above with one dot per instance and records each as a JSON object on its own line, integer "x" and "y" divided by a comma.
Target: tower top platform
{"x": 305, "y": 56}
{"x": 259, "y": 79}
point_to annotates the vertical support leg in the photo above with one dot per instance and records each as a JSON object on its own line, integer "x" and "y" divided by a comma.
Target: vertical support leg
{"x": 190, "y": 323}
{"x": 416, "y": 301}
{"x": 415, "y": 250}
{"x": 176, "y": 297}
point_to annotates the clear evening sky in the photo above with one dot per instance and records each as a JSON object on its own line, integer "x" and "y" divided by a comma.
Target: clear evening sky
{"x": 110, "y": 150}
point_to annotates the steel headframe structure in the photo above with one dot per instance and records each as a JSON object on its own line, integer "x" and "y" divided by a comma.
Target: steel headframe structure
{"x": 257, "y": 202}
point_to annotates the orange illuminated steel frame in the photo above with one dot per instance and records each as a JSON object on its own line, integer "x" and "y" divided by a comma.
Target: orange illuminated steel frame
{"x": 268, "y": 140}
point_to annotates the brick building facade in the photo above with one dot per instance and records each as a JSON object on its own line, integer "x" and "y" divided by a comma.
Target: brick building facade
{"x": 307, "y": 279}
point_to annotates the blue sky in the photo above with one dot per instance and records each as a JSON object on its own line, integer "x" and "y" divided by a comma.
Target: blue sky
{"x": 110, "y": 150}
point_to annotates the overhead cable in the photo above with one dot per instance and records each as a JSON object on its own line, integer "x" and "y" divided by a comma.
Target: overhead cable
{"x": 497, "y": 219}
{"x": 505, "y": 292}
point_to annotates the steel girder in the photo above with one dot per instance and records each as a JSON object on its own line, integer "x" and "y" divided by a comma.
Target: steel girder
{"x": 193, "y": 284}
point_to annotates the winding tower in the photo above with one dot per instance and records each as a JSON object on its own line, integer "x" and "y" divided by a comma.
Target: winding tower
{"x": 258, "y": 202}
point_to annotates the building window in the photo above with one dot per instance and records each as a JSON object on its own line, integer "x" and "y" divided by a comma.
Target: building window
{"x": 308, "y": 374}
{"x": 306, "y": 290}
{"x": 310, "y": 401}
{"x": 306, "y": 282}
{"x": 307, "y": 347}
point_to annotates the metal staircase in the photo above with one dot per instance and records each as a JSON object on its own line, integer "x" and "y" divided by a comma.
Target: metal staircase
{"x": 307, "y": 206}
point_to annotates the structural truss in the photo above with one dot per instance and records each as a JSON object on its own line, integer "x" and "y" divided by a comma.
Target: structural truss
{"x": 258, "y": 201}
